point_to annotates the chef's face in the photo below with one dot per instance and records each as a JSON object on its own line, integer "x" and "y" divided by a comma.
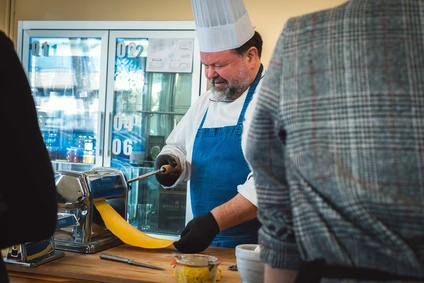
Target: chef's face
{"x": 227, "y": 74}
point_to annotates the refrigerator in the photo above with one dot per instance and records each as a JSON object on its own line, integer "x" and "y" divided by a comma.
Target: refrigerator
{"x": 108, "y": 94}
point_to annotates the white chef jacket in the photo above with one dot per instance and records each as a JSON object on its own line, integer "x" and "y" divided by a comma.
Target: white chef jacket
{"x": 180, "y": 141}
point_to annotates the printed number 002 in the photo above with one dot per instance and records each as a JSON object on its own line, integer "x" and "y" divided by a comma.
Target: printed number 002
{"x": 134, "y": 50}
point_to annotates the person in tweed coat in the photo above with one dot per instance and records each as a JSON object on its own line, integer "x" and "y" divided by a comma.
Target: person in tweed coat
{"x": 337, "y": 146}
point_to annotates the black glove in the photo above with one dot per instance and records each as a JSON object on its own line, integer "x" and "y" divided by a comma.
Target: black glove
{"x": 171, "y": 178}
{"x": 198, "y": 234}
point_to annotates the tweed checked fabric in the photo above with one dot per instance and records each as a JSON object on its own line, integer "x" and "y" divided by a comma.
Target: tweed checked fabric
{"x": 337, "y": 142}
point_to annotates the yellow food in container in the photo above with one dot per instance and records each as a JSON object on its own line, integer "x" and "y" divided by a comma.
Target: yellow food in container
{"x": 218, "y": 275}
{"x": 196, "y": 268}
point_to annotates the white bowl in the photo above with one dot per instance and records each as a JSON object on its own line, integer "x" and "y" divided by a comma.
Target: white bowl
{"x": 249, "y": 264}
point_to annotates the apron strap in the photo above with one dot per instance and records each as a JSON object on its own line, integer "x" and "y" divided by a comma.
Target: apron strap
{"x": 313, "y": 272}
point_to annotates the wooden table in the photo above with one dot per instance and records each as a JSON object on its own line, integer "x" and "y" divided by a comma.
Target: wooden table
{"x": 89, "y": 268}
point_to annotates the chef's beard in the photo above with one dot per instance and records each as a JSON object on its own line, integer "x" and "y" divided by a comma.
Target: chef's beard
{"x": 231, "y": 91}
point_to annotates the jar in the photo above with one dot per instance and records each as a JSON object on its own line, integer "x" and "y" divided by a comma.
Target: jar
{"x": 197, "y": 268}
{"x": 89, "y": 143}
{"x": 88, "y": 156}
{"x": 74, "y": 155}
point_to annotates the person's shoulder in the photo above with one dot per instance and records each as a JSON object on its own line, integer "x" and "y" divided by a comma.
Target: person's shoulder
{"x": 314, "y": 17}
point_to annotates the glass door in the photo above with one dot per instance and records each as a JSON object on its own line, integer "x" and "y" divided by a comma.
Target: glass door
{"x": 151, "y": 85}
{"x": 108, "y": 94}
{"x": 66, "y": 72}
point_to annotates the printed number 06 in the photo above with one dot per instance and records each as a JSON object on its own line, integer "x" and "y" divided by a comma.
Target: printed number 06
{"x": 125, "y": 147}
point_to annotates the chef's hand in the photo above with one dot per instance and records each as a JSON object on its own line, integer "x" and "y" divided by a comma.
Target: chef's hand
{"x": 198, "y": 234}
{"x": 167, "y": 179}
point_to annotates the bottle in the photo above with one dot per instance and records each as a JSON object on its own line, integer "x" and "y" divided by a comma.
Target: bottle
{"x": 52, "y": 143}
{"x": 88, "y": 157}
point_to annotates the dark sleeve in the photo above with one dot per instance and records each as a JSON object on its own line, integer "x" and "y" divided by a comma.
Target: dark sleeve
{"x": 28, "y": 202}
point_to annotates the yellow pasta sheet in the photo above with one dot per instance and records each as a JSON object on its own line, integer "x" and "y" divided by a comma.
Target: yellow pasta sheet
{"x": 125, "y": 231}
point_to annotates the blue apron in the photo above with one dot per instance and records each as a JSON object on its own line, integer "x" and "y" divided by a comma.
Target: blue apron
{"x": 218, "y": 167}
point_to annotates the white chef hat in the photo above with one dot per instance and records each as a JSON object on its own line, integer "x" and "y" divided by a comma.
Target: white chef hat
{"x": 221, "y": 24}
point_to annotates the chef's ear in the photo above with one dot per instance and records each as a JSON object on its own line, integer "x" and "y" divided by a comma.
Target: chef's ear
{"x": 252, "y": 54}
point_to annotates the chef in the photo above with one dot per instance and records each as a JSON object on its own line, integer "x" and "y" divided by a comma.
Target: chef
{"x": 206, "y": 147}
